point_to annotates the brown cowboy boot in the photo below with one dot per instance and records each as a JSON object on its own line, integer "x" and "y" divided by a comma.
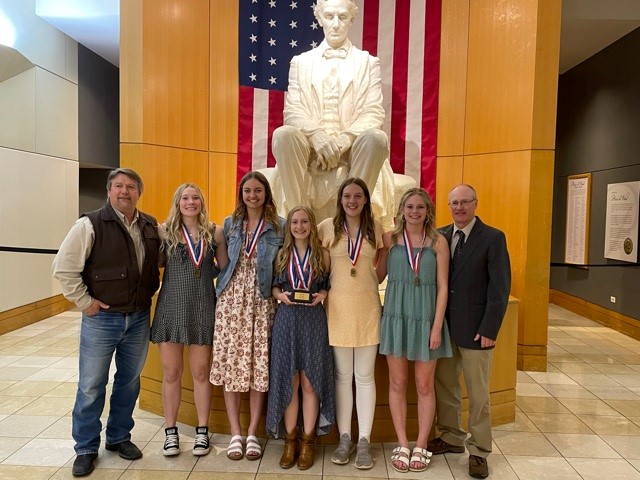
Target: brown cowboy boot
{"x": 307, "y": 451}
{"x": 290, "y": 451}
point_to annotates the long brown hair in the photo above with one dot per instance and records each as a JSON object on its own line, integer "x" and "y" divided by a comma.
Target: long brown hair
{"x": 367, "y": 226}
{"x": 316, "y": 261}
{"x": 174, "y": 220}
{"x": 269, "y": 206}
{"x": 429, "y": 220}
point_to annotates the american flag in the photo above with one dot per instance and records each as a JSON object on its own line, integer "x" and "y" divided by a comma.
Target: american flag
{"x": 403, "y": 34}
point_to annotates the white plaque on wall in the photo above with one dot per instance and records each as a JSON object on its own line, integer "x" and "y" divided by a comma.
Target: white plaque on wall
{"x": 621, "y": 235}
{"x": 576, "y": 241}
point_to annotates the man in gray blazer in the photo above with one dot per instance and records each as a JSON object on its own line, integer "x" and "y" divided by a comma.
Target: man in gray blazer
{"x": 479, "y": 285}
{"x": 333, "y": 116}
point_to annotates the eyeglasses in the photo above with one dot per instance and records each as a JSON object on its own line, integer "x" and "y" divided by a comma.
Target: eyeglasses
{"x": 461, "y": 203}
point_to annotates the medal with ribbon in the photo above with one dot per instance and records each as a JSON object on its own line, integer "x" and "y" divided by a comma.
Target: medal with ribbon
{"x": 353, "y": 248}
{"x": 250, "y": 241}
{"x": 414, "y": 260}
{"x": 300, "y": 276}
{"x": 196, "y": 250}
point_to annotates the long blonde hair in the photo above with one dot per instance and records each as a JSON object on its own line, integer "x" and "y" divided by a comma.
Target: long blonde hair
{"x": 429, "y": 220}
{"x": 367, "y": 225}
{"x": 269, "y": 207}
{"x": 174, "y": 220}
{"x": 316, "y": 261}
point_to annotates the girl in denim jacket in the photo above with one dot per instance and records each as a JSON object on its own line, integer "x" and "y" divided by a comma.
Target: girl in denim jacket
{"x": 247, "y": 247}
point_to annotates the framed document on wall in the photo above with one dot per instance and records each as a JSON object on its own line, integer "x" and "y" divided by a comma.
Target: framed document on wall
{"x": 621, "y": 234}
{"x": 576, "y": 239}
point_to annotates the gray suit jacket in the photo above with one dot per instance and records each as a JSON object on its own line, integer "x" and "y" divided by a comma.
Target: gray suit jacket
{"x": 479, "y": 288}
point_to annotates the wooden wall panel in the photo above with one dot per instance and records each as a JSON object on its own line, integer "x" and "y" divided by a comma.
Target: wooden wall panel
{"x": 131, "y": 71}
{"x": 545, "y": 97}
{"x": 448, "y": 175}
{"x": 163, "y": 169}
{"x": 224, "y": 77}
{"x": 500, "y": 82}
{"x": 176, "y": 73}
{"x": 453, "y": 77}
{"x": 222, "y": 185}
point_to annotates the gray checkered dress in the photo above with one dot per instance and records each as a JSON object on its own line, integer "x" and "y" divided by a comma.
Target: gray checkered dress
{"x": 185, "y": 312}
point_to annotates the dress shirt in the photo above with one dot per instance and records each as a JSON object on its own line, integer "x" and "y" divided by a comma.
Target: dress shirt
{"x": 466, "y": 230}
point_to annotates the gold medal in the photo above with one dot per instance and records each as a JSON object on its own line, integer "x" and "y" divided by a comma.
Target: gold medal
{"x": 353, "y": 271}
{"x": 416, "y": 282}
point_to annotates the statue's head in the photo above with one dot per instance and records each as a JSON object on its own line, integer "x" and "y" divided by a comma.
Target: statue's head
{"x": 335, "y": 17}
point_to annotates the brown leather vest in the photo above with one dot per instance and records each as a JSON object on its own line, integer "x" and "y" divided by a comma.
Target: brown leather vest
{"x": 111, "y": 272}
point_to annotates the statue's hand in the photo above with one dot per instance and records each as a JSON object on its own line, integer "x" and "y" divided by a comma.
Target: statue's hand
{"x": 327, "y": 150}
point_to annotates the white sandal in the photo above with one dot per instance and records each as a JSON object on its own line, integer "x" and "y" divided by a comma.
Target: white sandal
{"x": 235, "y": 448}
{"x": 401, "y": 454}
{"x": 253, "y": 450}
{"x": 422, "y": 456}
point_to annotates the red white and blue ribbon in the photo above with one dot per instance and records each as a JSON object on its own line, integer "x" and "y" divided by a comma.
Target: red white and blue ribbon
{"x": 300, "y": 273}
{"x": 414, "y": 260}
{"x": 250, "y": 241}
{"x": 354, "y": 246}
{"x": 196, "y": 249}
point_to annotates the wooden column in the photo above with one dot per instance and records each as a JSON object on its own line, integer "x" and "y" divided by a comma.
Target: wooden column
{"x": 498, "y": 92}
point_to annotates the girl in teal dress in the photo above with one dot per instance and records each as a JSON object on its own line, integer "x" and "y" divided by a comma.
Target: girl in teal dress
{"x": 412, "y": 329}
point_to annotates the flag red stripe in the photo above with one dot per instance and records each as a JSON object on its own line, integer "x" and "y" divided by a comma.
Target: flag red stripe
{"x": 370, "y": 26}
{"x": 276, "y": 119}
{"x": 433, "y": 14}
{"x": 399, "y": 86}
{"x": 245, "y": 131}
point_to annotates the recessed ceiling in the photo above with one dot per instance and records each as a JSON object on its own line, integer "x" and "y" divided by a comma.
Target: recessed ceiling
{"x": 588, "y": 26}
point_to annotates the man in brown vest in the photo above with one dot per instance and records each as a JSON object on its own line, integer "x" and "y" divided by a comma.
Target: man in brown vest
{"x": 108, "y": 266}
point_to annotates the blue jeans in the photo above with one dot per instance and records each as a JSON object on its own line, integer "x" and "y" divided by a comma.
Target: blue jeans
{"x": 106, "y": 333}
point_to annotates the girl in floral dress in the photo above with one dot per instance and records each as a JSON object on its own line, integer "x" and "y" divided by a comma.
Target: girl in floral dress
{"x": 249, "y": 243}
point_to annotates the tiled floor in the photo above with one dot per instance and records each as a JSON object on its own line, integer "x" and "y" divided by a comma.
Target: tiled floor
{"x": 580, "y": 419}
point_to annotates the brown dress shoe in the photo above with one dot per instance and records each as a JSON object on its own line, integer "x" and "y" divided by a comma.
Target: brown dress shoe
{"x": 478, "y": 467}
{"x": 437, "y": 446}
{"x": 307, "y": 451}
{"x": 290, "y": 451}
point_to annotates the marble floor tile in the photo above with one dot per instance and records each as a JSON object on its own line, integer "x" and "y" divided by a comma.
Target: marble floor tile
{"x": 628, "y": 408}
{"x": 577, "y": 367}
{"x": 613, "y": 393}
{"x": 48, "y": 406}
{"x": 597, "y": 469}
{"x": 552, "y": 378}
{"x": 569, "y": 391}
{"x": 10, "y": 372}
{"x": 524, "y": 443}
{"x": 627, "y": 446}
{"x": 592, "y": 358}
{"x": 627, "y": 359}
{"x": 22, "y": 472}
{"x": 587, "y": 379}
{"x": 10, "y": 445}
{"x": 531, "y": 390}
{"x": 459, "y": 466}
{"x": 10, "y": 404}
{"x": 556, "y": 358}
{"x": 627, "y": 380}
{"x": 614, "y": 369}
{"x": 588, "y": 406}
{"x": 581, "y": 445}
{"x": 29, "y": 389}
{"x": 523, "y": 377}
{"x": 229, "y": 476}
{"x": 34, "y": 361}
{"x": 98, "y": 474}
{"x": 43, "y": 452}
{"x": 558, "y": 423}
{"x": 610, "y": 425}
{"x": 25, "y": 425}
{"x": 540, "y": 405}
{"x": 534, "y": 468}
{"x": 60, "y": 429}
{"x": 155, "y": 474}
{"x": 522, "y": 424}
{"x": 53, "y": 374}
{"x": 64, "y": 389}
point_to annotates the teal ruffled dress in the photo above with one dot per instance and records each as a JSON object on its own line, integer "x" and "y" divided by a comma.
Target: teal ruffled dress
{"x": 409, "y": 309}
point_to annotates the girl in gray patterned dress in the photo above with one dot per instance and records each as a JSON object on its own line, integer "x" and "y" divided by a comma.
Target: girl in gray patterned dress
{"x": 185, "y": 311}
{"x": 301, "y": 357}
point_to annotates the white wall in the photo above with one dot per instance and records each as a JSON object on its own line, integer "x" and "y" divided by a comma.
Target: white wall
{"x": 38, "y": 155}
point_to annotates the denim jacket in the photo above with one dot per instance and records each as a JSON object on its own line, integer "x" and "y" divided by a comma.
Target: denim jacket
{"x": 269, "y": 243}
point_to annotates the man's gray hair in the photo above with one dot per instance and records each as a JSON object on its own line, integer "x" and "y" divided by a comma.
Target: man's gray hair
{"x": 132, "y": 174}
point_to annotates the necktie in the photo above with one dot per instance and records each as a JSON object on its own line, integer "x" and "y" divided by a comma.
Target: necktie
{"x": 457, "y": 253}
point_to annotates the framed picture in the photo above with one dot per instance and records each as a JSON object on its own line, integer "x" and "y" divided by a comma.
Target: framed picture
{"x": 576, "y": 241}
